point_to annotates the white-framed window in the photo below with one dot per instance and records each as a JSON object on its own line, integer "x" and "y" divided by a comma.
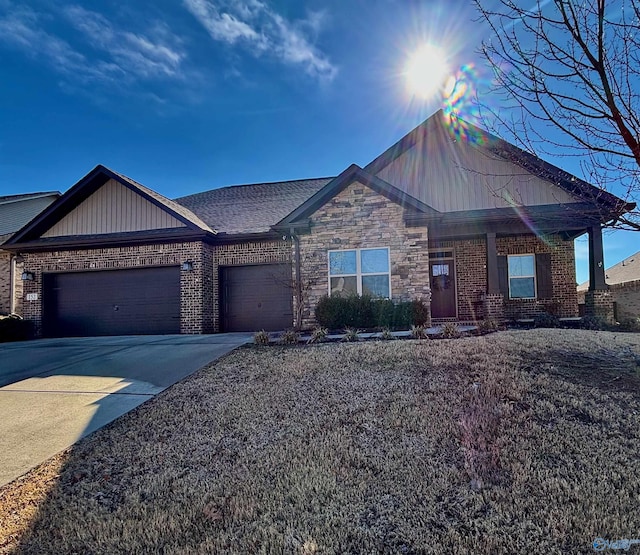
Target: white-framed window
{"x": 360, "y": 272}
{"x": 522, "y": 276}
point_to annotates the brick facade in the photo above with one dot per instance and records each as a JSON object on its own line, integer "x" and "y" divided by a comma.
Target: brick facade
{"x": 599, "y": 303}
{"x": 471, "y": 277}
{"x": 5, "y": 284}
{"x": 358, "y": 217}
{"x": 564, "y": 302}
{"x": 196, "y": 286}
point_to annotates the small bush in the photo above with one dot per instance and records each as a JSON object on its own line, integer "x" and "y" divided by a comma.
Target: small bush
{"x": 419, "y": 313}
{"x": 592, "y": 323}
{"x": 351, "y": 334}
{"x": 290, "y": 337}
{"x": 546, "y": 320}
{"x": 418, "y": 332}
{"x": 14, "y": 328}
{"x": 450, "y": 330}
{"x": 387, "y": 334}
{"x": 318, "y": 335}
{"x": 630, "y": 324}
{"x": 488, "y": 326}
{"x": 261, "y": 338}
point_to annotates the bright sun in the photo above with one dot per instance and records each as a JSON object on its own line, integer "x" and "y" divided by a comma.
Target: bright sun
{"x": 426, "y": 71}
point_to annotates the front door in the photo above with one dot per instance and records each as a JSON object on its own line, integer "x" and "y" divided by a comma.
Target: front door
{"x": 442, "y": 275}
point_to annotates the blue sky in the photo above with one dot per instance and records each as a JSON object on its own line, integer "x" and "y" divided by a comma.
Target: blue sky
{"x": 189, "y": 95}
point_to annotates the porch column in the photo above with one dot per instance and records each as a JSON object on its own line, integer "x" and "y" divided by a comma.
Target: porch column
{"x": 596, "y": 260}
{"x": 493, "y": 286}
{"x": 493, "y": 305}
{"x": 598, "y": 299}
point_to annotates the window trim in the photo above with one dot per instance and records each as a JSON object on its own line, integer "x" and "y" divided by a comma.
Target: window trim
{"x": 359, "y": 274}
{"x": 534, "y": 276}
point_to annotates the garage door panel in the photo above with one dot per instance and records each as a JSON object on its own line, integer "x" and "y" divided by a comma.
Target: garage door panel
{"x": 256, "y": 297}
{"x": 113, "y": 302}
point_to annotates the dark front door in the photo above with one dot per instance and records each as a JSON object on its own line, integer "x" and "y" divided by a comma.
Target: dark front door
{"x": 256, "y": 297}
{"x": 141, "y": 301}
{"x": 442, "y": 275}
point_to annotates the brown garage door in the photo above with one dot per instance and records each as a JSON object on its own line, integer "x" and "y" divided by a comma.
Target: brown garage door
{"x": 139, "y": 301}
{"x": 256, "y": 297}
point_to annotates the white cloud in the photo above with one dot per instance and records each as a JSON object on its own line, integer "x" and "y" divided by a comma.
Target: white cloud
{"x": 157, "y": 54}
{"x": 123, "y": 54}
{"x": 253, "y": 24}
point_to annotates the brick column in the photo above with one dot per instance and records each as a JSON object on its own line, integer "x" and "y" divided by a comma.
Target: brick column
{"x": 598, "y": 299}
{"x": 599, "y": 304}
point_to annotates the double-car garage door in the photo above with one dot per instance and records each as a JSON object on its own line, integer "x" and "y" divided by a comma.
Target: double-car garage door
{"x": 140, "y": 301}
{"x": 144, "y": 301}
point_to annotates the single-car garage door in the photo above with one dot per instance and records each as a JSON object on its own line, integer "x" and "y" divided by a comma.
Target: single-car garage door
{"x": 140, "y": 301}
{"x": 256, "y": 297}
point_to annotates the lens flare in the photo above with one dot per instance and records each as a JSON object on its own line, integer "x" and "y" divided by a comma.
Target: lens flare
{"x": 426, "y": 71}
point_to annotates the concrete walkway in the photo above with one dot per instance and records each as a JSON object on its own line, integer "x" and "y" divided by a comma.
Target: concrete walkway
{"x": 55, "y": 391}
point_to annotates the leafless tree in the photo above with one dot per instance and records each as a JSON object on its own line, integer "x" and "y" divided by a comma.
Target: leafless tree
{"x": 574, "y": 67}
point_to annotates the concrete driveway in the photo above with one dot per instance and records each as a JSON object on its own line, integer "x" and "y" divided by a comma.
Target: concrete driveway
{"x": 55, "y": 391}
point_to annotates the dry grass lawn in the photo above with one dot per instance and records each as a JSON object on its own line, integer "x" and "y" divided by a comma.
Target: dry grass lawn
{"x": 357, "y": 448}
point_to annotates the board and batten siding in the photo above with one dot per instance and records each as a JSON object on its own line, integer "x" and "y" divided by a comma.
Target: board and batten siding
{"x": 113, "y": 208}
{"x": 456, "y": 175}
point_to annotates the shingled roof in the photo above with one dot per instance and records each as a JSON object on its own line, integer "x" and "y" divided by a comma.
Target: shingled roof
{"x": 247, "y": 209}
{"x": 623, "y": 272}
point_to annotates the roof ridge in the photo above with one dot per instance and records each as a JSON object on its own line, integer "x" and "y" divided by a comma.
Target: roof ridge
{"x": 241, "y": 185}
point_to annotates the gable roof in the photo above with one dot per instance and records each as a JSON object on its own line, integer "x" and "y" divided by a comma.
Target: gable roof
{"x": 89, "y": 184}
{"x": 606, "y": 203}
{"x": 623, "y": 272}
{"x": 17, "y": 210}
{"x": 8, "y": 199}
{"x": 248, "y": 209}
{"x": 351, "y": 174}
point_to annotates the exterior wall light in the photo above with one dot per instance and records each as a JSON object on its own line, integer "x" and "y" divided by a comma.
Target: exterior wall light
{"x": 27, "y": 276}
{"x": 187, "y": 266}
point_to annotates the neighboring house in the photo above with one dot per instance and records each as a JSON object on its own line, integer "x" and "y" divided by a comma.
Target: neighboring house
{"x": 623, "y": 280}
{"x": 15, "y": 212}
{"x": 451, "y": 215}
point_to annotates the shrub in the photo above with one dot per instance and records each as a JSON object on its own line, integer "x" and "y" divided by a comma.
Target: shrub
{"x": 351, "y": 334}
{"x": 450, "y": 330}
{"x": 367, "y": 313}
{"x": 290, "y": 337}
{"x": 488, "y": 326}
{"x": 261, "y": 338}
{"x": 14, "y": 328}
{"x": 592, "y": 323}
{"x": 386, "y": 334}
{"x": 546, "y": 320}
{"x": 418, "y": 332}
{"x": 630, "y": 324}
{"x": 318, "y": 335}
{"x": 419, "y": 313}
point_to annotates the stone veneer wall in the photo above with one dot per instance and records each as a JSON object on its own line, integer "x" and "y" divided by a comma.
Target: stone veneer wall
{"x": 358, "y": 217}
{"x": 242, "y": 254}
{"x": 565, "y": 300}
{"x": 195, "y": 286}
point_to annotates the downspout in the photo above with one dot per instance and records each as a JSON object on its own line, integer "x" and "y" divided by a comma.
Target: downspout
{"x": 296, "y": 241}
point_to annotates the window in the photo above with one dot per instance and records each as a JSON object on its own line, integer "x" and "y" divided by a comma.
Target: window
{"x": 360, "y": 271}
{"x": 522, "y": 276}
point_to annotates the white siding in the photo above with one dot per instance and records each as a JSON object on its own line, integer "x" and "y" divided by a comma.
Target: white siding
{"x": 455, "y": 175}
{"x": 113, "y": 208}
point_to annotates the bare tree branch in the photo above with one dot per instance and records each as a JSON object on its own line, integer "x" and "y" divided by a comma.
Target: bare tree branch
{"x": 574, "y": 68}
